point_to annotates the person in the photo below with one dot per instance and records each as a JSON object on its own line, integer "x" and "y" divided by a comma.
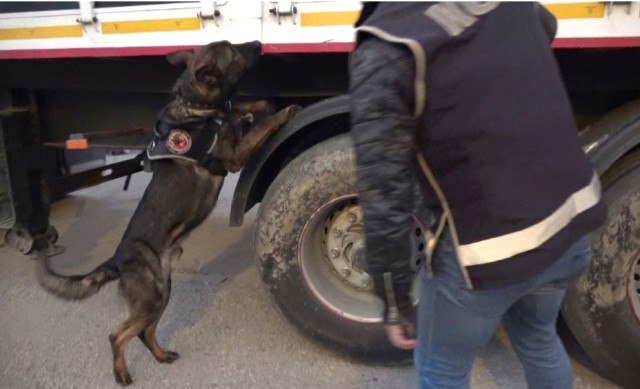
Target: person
{"x": 466, "y": 101}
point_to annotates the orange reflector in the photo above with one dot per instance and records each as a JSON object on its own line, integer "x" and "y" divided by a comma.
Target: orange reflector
{"x": 136, "y": 26}
{"x": 77, "y": 144}
{"x": 336, "y": 18}
{"x": 41, "y": 32}
{"x": 593, "y": 10}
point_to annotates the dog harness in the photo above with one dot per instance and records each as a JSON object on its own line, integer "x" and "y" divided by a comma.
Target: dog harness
{"x": 191, "y": 141}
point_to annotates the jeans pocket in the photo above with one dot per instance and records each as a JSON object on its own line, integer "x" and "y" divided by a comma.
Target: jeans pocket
{"x": 572, "y": 264}
{"x": 582, "y": 261}
{"x": 581, "y": 255}
{"x": 485, "y": 303}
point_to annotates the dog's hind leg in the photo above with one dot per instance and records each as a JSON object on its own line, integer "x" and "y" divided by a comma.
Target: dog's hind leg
{"x": 119, "y": 339}
{"x": 148, "y": 336}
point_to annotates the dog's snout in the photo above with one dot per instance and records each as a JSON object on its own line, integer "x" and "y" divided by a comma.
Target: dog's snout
{"x": 250, "y": 51}
{"x": 257, "y": 46}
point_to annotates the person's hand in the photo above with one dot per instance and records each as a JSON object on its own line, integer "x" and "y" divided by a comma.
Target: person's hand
{"x": 401, "y": 336}
{"x": 400, "y": 330}
{"x": 399, "y": 312}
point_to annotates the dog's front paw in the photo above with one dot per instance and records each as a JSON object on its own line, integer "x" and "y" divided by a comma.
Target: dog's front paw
{"x": 293, "y": 109}
{"x": 171, "y": 356}
{"x": 123, "y": 377}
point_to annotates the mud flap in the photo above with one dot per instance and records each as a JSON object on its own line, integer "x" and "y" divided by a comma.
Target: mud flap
{"x": 7, "y": 210}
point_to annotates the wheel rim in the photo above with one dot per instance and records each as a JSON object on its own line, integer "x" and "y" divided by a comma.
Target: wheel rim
{"x": 332, "y": 261}
{"x": 634, "y": 287}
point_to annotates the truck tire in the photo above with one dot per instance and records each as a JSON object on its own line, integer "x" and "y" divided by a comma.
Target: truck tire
{"x": 602, "y": 309}
{"x": 310, "y": 254}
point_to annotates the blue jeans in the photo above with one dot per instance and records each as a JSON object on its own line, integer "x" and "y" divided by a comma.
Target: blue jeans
{"x": 454, "y": 323}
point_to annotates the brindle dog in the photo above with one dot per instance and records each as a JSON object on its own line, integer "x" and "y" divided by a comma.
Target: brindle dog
{"x": 179, "y": 197}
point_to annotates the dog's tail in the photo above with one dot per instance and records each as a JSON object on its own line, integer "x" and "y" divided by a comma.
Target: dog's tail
{"x": 77, "y": 287}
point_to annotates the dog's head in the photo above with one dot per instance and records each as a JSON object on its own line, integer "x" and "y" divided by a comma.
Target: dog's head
{"x": 213, "y": 70}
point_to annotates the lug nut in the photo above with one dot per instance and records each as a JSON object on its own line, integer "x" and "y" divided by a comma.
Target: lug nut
{"x": 335, "y": 253}
{"x": 346, "y": 272}
{"x": 352, "y": 218}
{"x": 337, "y": 232}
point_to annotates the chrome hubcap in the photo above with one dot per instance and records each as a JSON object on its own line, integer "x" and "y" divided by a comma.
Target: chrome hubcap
{"x": 331, "y": 255}
{"x": 344, "y": 248}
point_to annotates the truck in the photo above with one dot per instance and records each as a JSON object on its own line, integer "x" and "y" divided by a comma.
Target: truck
{"x": 83, "y": 80}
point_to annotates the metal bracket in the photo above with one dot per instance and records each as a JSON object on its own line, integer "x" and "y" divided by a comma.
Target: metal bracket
{"x": 63, "y": 185}
{"x": 609, "y": 6}
{"x": 209, "y": 11}
{"x": 284, "y": 8}
{"x": 87, "y": 13}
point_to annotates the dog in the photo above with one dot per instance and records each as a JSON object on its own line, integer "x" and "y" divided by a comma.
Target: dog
{"x": 179, "y": 197}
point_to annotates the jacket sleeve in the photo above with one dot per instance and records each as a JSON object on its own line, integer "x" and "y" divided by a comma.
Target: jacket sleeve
{"x": 383, "y": 130}
{"x": 548, "y": 21}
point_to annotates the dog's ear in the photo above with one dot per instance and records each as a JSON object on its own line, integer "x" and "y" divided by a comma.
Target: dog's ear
{"x": 221, "y": 63}
{"x": 205, "y": 72}
{"x": 174, "y": 253}
{"x": 180, "y": 57}
{"x": 205, "y": 63}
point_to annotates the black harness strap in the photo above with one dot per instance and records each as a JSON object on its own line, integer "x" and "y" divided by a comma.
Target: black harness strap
{"x": 190, "y": 141}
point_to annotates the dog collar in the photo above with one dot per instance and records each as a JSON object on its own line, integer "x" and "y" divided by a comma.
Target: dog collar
{"x": 202, "y": 106}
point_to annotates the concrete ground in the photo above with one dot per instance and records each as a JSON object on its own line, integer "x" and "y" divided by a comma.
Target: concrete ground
{"x": 219, "y": 319}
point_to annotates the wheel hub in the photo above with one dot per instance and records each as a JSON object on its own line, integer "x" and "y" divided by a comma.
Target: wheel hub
{"x": 332, "y": 258}
{"x": 344, "y": 247}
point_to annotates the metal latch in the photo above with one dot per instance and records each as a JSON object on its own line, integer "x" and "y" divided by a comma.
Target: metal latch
{"x": 209, "y": 11}
{"x": 87, "y": 13}
{"x": 610, "y": 4}
{"x": 284, "y": 8}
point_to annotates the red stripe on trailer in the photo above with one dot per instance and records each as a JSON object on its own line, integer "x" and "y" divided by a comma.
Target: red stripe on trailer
{"x": 274, "y": 48}
{"x": 91, "y": 52}
{"x": 326, "y": 47}
{"x": 596, "y": 43}
{"x": 96, "y": 52}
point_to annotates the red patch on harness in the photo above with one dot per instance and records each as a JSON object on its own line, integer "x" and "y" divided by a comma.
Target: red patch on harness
{"x": 178, "y": 142}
